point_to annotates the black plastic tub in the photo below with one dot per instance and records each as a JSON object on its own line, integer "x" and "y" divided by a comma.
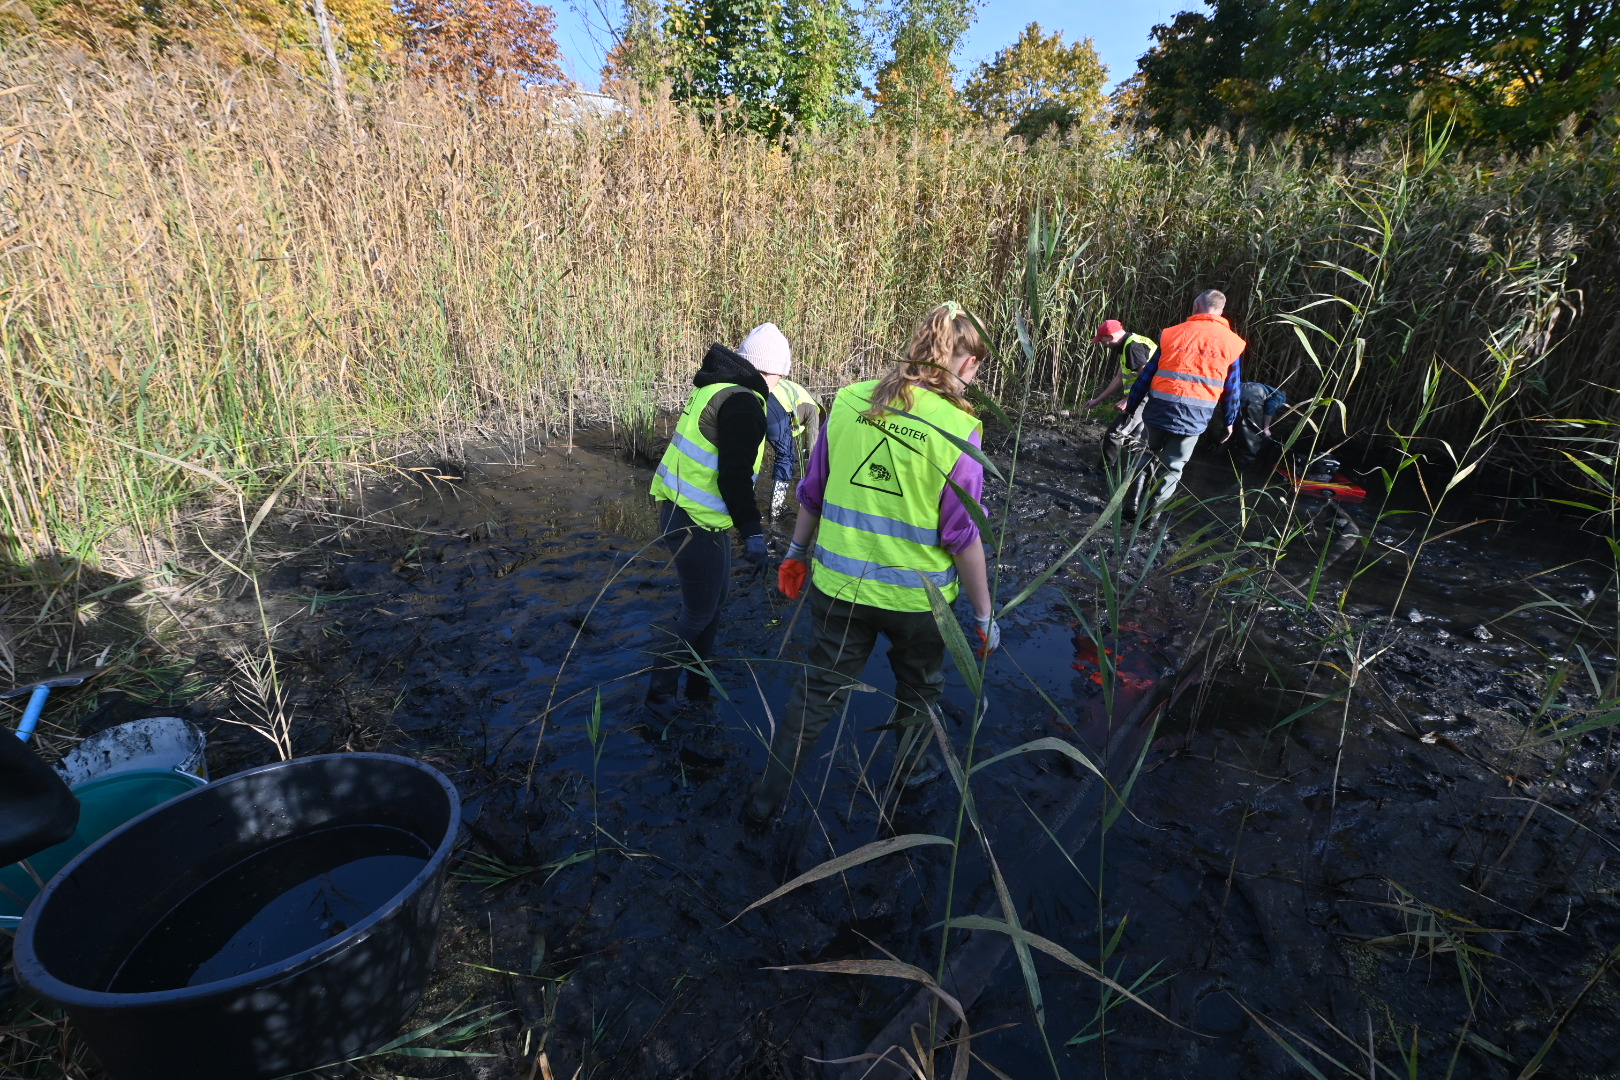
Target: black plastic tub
{"x": 275, "y": 921}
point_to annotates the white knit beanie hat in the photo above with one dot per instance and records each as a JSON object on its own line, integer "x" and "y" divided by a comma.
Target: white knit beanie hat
{"x": 767, "y": 349}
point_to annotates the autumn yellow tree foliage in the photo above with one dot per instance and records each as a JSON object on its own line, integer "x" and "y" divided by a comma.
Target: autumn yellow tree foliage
{"x": 1038, "y": 83}
{"x": 468, "y": 44}
{"x": 249, "y": 31}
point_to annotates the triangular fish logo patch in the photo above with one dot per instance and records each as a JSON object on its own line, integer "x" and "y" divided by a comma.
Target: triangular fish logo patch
{"x": 877, "y": 472}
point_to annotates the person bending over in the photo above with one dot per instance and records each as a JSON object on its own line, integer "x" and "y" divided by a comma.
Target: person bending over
{"x": 1130, "y": 353}
{"x": 1260, "y": 406}
{"x": 792, "y": 416}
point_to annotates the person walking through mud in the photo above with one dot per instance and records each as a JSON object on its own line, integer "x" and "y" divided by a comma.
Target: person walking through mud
{"x": 704, "y": 486}
{"x": 877, "y": 502}
{"x": 792, "y": 417}
{"x": 1130, "y": 354}
{"x": 1198, "y": 361}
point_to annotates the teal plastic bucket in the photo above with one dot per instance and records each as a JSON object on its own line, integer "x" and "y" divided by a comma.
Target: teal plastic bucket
{"x": 104, "y": 804}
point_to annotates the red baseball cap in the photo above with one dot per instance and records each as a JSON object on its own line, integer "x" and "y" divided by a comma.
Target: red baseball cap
{"x": 1108, "y": 329}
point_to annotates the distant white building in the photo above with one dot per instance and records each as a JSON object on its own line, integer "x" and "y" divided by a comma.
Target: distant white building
{"x": 578, "y": 106}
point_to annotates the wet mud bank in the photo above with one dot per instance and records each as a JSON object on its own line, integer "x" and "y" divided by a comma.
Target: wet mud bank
{"x": 606, "y": 865}
{"x": 1358, "y": 825}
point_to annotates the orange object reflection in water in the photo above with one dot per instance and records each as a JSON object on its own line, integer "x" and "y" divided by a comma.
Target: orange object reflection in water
{"x": 1133, "y": 669}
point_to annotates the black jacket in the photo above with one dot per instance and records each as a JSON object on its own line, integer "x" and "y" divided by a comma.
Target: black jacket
{"x": 738, "y": 431}
{"x": 36, "y": 808}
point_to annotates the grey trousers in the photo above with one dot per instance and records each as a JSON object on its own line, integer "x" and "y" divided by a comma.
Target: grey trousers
{"x": 843, "y": 636}
{"x": 1158, "y": 471}
{"x": 1123, "y": 433}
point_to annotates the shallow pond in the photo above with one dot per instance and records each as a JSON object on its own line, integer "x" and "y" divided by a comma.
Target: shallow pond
{"x": 1340, "y": 874}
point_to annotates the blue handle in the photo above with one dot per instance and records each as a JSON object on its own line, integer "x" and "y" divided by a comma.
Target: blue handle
{"x": 36, "y": 705}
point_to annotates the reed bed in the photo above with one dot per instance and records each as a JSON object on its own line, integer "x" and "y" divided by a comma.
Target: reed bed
{"x": 216, "y": 287}
{"x": 212, "y": 280}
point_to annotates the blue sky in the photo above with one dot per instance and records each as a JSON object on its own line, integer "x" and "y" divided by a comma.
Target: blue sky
{"x": 1120, "y": 29}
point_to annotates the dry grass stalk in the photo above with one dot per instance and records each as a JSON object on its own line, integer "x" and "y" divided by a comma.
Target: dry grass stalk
{"x": 207, "y": 280}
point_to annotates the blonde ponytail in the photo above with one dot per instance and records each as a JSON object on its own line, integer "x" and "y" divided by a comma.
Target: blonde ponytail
{"x": 944, "y": 334}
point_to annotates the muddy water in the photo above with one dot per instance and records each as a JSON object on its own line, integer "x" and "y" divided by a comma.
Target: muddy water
{"x": 1264, "y": 876}
{"x": 276, "y": 903}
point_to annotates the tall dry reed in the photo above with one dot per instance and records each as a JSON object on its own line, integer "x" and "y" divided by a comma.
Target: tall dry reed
{"x": 210, "y": 278}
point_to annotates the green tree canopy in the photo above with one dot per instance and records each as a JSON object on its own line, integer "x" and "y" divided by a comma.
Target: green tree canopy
{"x": 915, "y": 88}
{"x": 1342, "y": 72}
{"x": 1038, "y": 83}
{"x": 1196, "y": 59}
{"x": 785, "y": 64}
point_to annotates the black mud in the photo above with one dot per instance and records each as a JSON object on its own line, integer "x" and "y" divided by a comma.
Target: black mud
{"x": 1407, "y": 862}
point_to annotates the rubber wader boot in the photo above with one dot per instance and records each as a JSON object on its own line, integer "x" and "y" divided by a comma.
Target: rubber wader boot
{"x": 664, "y": 684}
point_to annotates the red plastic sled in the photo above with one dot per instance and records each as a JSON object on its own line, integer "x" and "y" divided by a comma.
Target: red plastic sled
{"x": 1340, "y": 488}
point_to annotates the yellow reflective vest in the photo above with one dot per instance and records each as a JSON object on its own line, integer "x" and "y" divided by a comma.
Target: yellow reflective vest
{"x": 689, "y": 474}
{"x": 800, "y": 404}
{"x": 1127, "y": 377}
{"x": 879, "y": 535}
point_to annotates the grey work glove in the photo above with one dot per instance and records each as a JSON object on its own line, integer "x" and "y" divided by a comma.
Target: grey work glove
{"x": 779, "y": 496}
{"x": 989, "y": 635}
{"x": 755, "y": 552}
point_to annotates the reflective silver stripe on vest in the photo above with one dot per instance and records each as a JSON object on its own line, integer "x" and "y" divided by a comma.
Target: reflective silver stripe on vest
{"x": 690, "y": 491}
{"x": 878, "y": 525}
{"x": 1205, "y": 379}
{"x": 695, "y": 452}
{"x": 1165, "y": 395}
{"x": 885, "y": 575}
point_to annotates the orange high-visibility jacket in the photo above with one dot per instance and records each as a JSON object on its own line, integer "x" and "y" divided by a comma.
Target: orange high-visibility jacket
{"x": 1193, "y": 360}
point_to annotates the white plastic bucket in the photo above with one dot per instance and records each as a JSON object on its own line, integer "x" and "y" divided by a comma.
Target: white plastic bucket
{"x": 158, "y": 742}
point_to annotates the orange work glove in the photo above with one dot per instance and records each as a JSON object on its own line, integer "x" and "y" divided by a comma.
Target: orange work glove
{"x": 989, "y": 635}
{"x": 790, "y": 577}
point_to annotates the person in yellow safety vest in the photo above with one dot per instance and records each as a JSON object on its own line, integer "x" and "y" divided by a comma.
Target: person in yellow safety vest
{"x": 1132, "y": 352}
{"x": 1200, "y": 364}
{"x": 792, "y": 416}
{"x": 875, "y": 497}
{"x": 704, "y": 486}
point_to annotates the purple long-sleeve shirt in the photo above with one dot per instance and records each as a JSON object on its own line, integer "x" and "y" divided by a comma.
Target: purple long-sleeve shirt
{"x": 956, "y": 528}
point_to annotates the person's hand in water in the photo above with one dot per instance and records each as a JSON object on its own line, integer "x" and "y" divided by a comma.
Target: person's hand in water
{"x": 755, "y": 551}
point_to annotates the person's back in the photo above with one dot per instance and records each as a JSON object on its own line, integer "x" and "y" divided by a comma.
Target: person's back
{"x": 798, "y": 406}
{"x": 1200, "y": 361}
{"x": 1195, "y": 358}
{"x": 704, "y": 486}
{"x": 792, "y": 417}
{"x": 886, "y": 472}
{"x": 882, "y": 522}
